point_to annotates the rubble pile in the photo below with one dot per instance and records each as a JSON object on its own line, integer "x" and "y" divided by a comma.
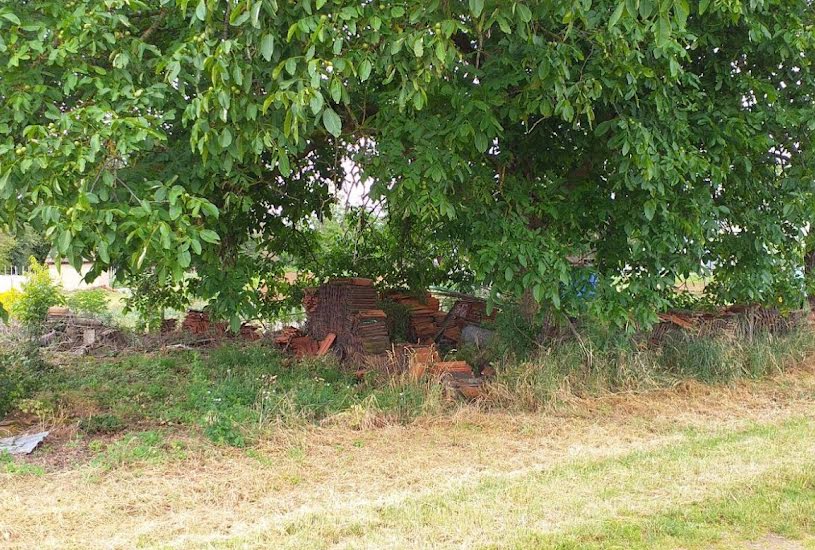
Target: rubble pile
{"x": 65, "y": 331}
{"x": 457, "y": 376}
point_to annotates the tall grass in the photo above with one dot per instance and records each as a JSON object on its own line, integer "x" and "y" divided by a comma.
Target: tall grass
{"x": 603, "y": 362}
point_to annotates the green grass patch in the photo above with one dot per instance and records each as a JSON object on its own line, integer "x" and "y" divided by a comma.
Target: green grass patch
{"x": 12, "y": 467}
{"x": 232, "y": 394}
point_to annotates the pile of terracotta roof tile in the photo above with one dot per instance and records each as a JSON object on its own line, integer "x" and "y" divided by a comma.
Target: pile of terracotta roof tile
{"x": 348, "y": 309}
{"x": 425, "y": 316}
{"x": 456, "y": 375}
{"x": 292, "y": 339}
{"x": 198, "y": 322}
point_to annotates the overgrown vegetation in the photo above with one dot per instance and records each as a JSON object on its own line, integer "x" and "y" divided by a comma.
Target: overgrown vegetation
{"x": 597, "y": 362}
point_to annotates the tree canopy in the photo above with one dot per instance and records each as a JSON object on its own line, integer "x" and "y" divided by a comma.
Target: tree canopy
{"x": 654, "y": 138}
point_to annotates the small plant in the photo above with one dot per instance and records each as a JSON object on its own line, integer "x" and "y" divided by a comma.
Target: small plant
{"x": 101, "y": 424}
{"x": 39, "y": 293}
{"x": 9, "y": 466}
{"x": 92, "y": 302}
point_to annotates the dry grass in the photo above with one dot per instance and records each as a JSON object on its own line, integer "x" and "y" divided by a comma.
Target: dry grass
{"x": 447, "y": 481}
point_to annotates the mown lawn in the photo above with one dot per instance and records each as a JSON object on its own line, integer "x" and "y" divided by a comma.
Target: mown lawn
{"x": 696, "y": 466}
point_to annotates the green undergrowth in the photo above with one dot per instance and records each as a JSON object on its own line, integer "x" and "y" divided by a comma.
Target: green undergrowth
{"x": 232, "y": 394}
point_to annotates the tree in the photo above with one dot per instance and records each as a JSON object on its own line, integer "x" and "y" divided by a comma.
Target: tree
{"x": 653, "y": 136}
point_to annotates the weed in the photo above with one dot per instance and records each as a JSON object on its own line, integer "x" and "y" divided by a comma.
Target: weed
{"x": 148, "y": 447}
{"x": 9, "y": 466}
{"x": 101, "y": 424}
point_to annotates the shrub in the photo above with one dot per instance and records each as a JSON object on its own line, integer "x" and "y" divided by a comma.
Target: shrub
{"x": 39, "y": 294}
{"x": 92, "y": 302}
{"x": 20, "y": 370}
{"x": 9, "y": 299}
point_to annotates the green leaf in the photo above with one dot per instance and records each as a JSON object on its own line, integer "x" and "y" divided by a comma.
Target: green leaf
{"x": 481, "y": 142}
{"x": 418, "y": 47}
{"x": 11, "y": 17}
{"x": 256, "y": 13}
{"x": 201, "y": 11}
{"x": 332, "y": 122}
{"x": 681, "y": 10}
{"x": 365, "y": 70}
{"x": 64, "y": 242}
{"x": 663, "y": 30}
{"x": 525, "y": 13}
{"x": 184, "y": 258}
{"x": 476, "y": 7}
{"x": 210, "y": 236}
{"x": 316, "y": 103}
{"x": 283, "y": 163}
{"x": 226, "y": 138}
{"x": 267, "y": 47}
{"x": 646, "y": 8}
{"x": 650, "y": 209}
{"x": 508, "y": 274}
{"x": 336, "y": 90}
{"x": 615, "y": 16}
{"x": 703, "y": 6}
{"x": 102, "y": 249}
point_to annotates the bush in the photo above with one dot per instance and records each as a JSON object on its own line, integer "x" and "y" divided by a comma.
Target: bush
{"x": 92, "y": 302}
{"x": 20, "y": 373}
{"x": 39, "y": 294}
{"x": 9, "y": 299}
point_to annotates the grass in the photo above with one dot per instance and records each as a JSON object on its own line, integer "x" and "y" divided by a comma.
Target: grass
{"x": 599, "y": 364}
{"x": 231, "y": 394}
{"x": 691, "y": 467}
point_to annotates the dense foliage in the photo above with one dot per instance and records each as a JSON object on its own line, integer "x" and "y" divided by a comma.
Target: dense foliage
{"x": 653, "y": 137}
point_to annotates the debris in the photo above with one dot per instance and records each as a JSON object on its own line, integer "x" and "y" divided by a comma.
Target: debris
{"x": 304, "y": 346}
{"x": 284, "y": 337}
{"x": 168, "y": 325}
{"x": 22, "y": 444}
{"x": 78, "y": 334}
